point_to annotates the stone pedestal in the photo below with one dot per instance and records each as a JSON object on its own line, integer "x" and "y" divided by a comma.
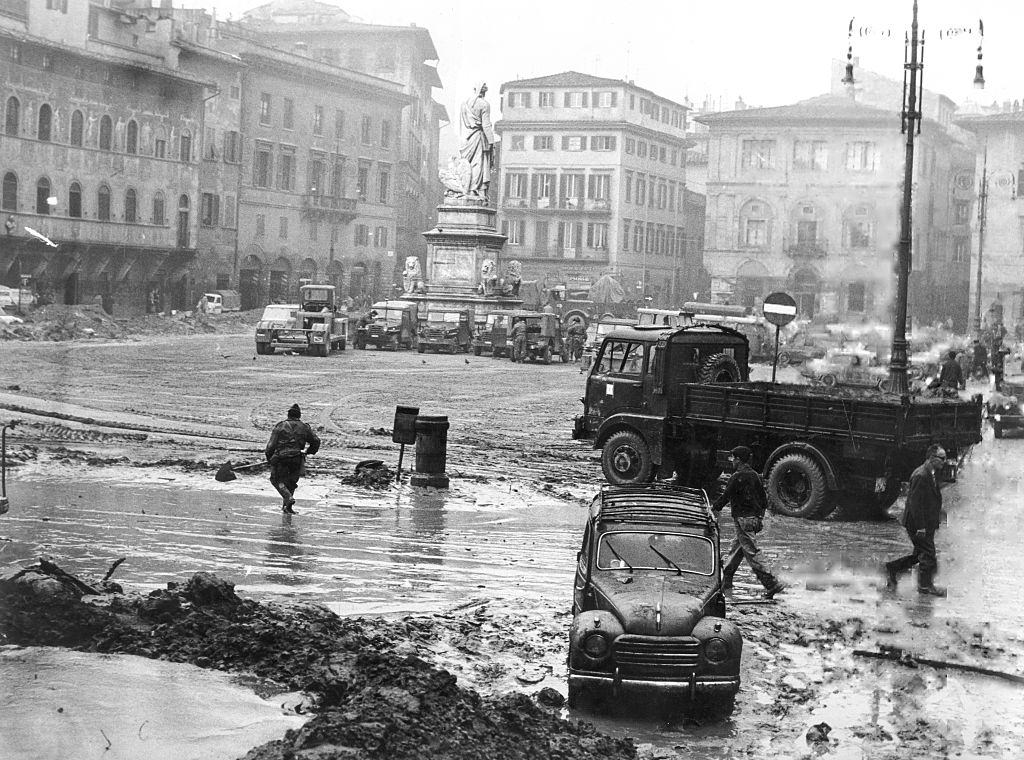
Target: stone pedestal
{"x": 465, "y": 237}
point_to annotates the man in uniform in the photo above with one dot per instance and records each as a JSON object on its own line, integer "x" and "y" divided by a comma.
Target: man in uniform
{"x": 745, "y": 492}
{"x": 286, "y": 456}
{"x": 518, "y": 337}
{"x": 921, "y": 519}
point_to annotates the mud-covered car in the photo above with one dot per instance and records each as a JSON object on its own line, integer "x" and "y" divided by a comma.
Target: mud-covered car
{"x": 848, "y": 369}
{"x": 1004, "y": 407}
{"x": 648, "y": 606}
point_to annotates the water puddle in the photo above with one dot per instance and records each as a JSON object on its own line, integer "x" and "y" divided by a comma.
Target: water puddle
{"x": 57, "y": 703}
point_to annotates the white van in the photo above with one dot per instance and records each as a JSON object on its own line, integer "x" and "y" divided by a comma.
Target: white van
{"x": 219, "y": 301}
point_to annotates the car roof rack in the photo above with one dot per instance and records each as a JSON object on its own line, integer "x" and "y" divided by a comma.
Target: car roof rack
{"x": 654, "y": 503}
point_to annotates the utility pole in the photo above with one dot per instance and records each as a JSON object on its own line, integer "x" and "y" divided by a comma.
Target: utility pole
{"x": 982, "y": 213}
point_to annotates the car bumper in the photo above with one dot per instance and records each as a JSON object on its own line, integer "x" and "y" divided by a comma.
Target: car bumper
{"x": 585, "y": 427}
{"x": 633, "y": 687}
{"x": 1007, "y": 420}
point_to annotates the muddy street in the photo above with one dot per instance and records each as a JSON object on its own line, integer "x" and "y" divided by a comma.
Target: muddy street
{"x": 491, "y": 561}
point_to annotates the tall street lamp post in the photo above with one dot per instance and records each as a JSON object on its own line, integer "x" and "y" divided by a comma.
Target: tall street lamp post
{"x": 913, "y": 97}
{"x": 982, "y": 213}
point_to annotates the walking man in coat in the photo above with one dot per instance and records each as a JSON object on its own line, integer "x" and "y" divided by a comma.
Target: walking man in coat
{"x": 749, "y": 501}
{"x": 518, "y": 337}
{"x": 921, "y": 519}
{"x": 286, "y": 456}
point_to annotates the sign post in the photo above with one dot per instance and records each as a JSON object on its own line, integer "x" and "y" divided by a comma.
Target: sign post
{"x": 779, "y": 309}
{"x": 403, "y": 432}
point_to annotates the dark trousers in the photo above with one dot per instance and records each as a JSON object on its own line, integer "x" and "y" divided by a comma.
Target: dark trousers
{"x": 285, "y": 474}
{"x": 923, "y": 556}
{"x": 744, "y": 548}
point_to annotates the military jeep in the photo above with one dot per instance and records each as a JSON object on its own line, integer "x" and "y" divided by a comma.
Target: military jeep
{"x": 544, "y": 337}
{"x": 648, "y": 606}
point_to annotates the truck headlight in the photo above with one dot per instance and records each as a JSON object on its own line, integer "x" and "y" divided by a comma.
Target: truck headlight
{"x": 998, "y": 417}
{"x": 716, "y": 651}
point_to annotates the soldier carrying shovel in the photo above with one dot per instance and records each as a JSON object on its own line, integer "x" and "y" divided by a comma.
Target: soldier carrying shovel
{"x": 286, "y": 456}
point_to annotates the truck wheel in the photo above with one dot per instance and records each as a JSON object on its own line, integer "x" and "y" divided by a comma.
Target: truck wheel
{"x": 341, "y": 345}
{"x": 829, "y": 380}
{"x": 625, "y": 459}
{"x": 421, "y": 348}
{"x": 796, "y": 487}
{"x": 784, "y": 358}
{"x": 546, "y": 355}
{"x": 997, "y": 429}
{"x": 565, "y": 355}
{"x": 261, "y": 349}
{"x": 719, "y": 368}
{"x": 477, "y": 350}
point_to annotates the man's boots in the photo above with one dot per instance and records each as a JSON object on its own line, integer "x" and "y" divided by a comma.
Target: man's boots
{"x": 892, "y": 578}
{"x": 925, "y": 585}
{"x": 286, "y": 506}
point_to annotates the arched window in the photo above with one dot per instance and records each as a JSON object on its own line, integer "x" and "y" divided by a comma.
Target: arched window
{"x": 132, "y": 137}
{"x": 42, "y": 193}
{"x": 186, "y": 146}
{"x": 45, "y": 122}
{"x": 158, "y": 209}
{"x": 75, "y": 200}
{"x": 755, "y": 225}
{"x": 13, "y": 117}
{"x": 10, "y": 194}
{"x": 77, "y": 128}
{"x": 106, "y": 133}
{"x": 103, "y": 203}
{"x": 130, "y": 206}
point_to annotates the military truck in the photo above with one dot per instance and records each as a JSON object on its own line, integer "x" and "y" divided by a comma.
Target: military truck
{"x": 276, "y": 317}
{"x": 318, "y": 326}
{"x": 492, "y": 335}
{"x": 446, "y": 330}
{"x": 544, "y": 337}
{"x": 673, "y": 401}
{"x": 389, "y": 325}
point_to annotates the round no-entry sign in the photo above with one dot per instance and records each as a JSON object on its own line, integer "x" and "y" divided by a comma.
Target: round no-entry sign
{"x": 779, "y": 309}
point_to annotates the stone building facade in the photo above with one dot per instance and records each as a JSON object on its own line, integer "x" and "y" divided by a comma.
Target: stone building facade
{"x": 592, "y": 181}
{"x": 806, "y": 199}
{"x": 99, "y": 155}
{"x": 1000, "y": 152}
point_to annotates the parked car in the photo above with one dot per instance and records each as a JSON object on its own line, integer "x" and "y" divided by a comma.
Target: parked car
{"x": 446, "y": 330}
{"x": 544, "y": 337}
{"x": 492, "y": 335}
{"x": 848, "y": 369}
{"x": 1004, "y": 407}
{"x": 10, "y": 297}
{"x": 219, "y": 301}
{"x": 648, "y": 606}
{"x": 389, "y": 325}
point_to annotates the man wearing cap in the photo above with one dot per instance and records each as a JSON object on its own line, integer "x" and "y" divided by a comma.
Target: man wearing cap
{"x": 745, "y": 492}
{"x": 286, "y": 456}
{"x": 921, "y": 518}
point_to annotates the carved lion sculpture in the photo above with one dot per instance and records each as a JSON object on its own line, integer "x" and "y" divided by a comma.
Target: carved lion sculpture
{"x": 513, "y": 276}
{"x": 411, "y": 274}
{"x": 488, "y": 276}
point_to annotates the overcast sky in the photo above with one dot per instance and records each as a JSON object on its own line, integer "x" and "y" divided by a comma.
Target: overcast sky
{"x": 767, "y": 52}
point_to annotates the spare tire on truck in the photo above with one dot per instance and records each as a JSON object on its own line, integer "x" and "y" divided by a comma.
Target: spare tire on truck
{"x": 719, "y": 368}
{"x": 797, "y": 488}
{"x": 626, "y": 459}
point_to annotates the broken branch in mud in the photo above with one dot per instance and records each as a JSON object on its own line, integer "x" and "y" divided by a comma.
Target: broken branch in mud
{"x": 905, "y": 658}
{"x": 52, "y": 569}
{"x": 114, "y": 567}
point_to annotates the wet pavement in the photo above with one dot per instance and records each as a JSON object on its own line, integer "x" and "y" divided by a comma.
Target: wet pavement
{"x": 506, "y": 535}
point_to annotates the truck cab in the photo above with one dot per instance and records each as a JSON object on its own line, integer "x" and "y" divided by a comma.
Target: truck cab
{"x": 390, "y": 325}
{"x": 324, "y": 325}
{"x": 636, "y": 369}
{"x": 492, "y": 335}
{"x": 646, "y": 317}
{"x": 446, "y": 330}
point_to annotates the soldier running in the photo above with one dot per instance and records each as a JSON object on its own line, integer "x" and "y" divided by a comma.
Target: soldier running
{"x": 286, "y": 456}
{"x": 745, "y": 492}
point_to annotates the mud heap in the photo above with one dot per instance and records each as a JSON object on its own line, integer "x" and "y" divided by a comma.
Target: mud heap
{"x": 56, "y": 322}
{"x": 374, "y": 697}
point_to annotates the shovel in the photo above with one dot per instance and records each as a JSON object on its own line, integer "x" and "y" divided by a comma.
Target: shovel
{"x": 226, "y": 472}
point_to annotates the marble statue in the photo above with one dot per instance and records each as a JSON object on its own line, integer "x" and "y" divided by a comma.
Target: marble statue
{"x": 478, "y": 142}
{"x": 488, "y": 276}
{"x": 411, "y": 275}
{"x": 513, "y": 277}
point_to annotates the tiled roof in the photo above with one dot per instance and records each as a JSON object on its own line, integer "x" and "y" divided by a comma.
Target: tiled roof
{"x": 822, "y": 107}
{"x": 1006, "y": 119}
{"x": 577, "y": 79}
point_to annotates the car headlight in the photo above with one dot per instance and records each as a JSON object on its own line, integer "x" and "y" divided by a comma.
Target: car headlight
{"x": 999, "y": 417}
{"x": 716, "y": 651}
{"x": 596, "y": 646}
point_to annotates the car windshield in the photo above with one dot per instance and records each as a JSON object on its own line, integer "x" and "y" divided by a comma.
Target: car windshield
{"x": 391, "y": 316}
{"x": 495, "y": 320}
{"x": 450, "y": 317}
{"x": 316, "y": 294}
{"x": 649, "y": 550}
{"x": 278, "y": 313}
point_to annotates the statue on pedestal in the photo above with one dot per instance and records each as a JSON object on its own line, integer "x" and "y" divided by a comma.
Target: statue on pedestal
{"x": 468, "y": 175}
{"x": 411, "y": 275}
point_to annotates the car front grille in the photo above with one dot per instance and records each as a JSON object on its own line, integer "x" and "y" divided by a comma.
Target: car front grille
{"x": 656, "y": 657}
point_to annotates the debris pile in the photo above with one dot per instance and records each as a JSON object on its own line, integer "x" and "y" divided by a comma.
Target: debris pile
{"x": 370, "y": 473}
{"x": 375, "y": 698}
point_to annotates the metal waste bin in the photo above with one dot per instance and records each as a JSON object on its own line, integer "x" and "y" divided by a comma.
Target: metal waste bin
{"x": 431, "y": 452}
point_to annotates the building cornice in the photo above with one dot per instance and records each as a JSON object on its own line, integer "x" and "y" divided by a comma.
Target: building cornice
{"x": 505, "y": 125}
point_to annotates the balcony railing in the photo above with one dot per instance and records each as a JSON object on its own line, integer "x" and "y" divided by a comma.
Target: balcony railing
{"x": 809, "y": 249}
{"x": 74, "y": 230}
{"x": 329, "y": 207}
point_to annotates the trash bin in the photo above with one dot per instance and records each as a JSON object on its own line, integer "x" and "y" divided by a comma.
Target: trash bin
{"x": 431, "y": 452}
